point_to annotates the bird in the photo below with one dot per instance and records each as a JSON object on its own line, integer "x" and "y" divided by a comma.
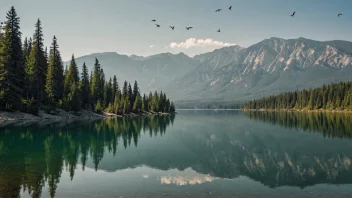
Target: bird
{"x": 230, "y": 7}
{"x": 339, "y": 15}
{"x": 153, "y": 20}
{"x": 293, "y": 14}
{"x": 219, "y": 30}
{"x": 157, "y": 25}
{"x": 188, "y": 28}
{"x": 218, "y": 10}
{"x": 172, "y": 27}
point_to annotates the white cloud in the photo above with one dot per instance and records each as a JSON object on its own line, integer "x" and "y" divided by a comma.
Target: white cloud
{"x": 193, "y": 42}
{"x": 151, "y": 46}
{"x": 181, "y": 181}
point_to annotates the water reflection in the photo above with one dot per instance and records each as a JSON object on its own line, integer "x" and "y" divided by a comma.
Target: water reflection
{"x": 35, "y": 155}
{"x": 332, "y": 125}
{"x": 203, "y": 148}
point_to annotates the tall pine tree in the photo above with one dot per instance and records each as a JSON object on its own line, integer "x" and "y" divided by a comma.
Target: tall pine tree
{"x": 95, "y": 82}
{"x": 85, "y": 87}
{"x": 36, "y": 67}
{"x": 71, "y": 87}
{"x": 11, "y": 63}
{"x": 54, "y": 79}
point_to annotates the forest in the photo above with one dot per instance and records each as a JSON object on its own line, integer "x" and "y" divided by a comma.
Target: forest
{"x": 31, "y": 78}
{"x": 336, "y": 96}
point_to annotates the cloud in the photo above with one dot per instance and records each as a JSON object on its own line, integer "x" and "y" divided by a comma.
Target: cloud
{"x": 151, "y": 46}
{"x": 181, "y": 181}
{"x": 193, "y": 42}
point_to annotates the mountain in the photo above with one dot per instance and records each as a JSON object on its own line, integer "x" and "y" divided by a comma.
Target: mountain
{"x": 151, "y": 72}
{"x": 269, "y": 67}
{"x": 234, "y": 73}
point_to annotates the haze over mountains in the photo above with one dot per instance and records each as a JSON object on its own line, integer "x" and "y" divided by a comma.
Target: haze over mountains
{"x": 234, "y": 73}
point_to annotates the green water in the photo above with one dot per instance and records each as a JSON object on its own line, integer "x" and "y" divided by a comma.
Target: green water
{"x": 191, "y": 154}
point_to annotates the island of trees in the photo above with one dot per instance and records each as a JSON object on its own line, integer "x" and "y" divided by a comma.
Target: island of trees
{"x": 328, "y": 97}
{"x": 31, "y": 79}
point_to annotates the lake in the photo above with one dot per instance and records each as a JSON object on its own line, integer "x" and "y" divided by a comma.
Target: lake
{"x": 191, "y": 154}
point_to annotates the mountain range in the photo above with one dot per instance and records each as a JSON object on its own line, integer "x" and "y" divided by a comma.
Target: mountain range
{"x": 234, "y": 73}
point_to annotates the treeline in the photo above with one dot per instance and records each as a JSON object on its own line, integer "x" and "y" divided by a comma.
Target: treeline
{"x": 328, "y": 97}
{"x": 31, "y": 78}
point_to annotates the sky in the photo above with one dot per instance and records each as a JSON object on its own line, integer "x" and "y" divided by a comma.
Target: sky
{"x": 84, "y": 27}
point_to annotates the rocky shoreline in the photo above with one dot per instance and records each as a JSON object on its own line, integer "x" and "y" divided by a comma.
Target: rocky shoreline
{"x": 60, "y": 114}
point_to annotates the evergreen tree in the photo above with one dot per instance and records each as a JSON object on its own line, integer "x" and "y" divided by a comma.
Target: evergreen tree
{"x": 124, "y": 89}
{"x": 137, "y": 104}
{"x": 36, "y": 67}
{"x": 71, "y": 87}
{"x": 116, "y": 106}
{"x": 130, "y": 94}
{"x": 65, "y": 71}
{"x": 54, "y": 79}
{"x": 145, "y": 103}
{"x": 11, "y": 64}
{"x": 46, "y": 55}
{"x": 29, "y": 49}
{"x": 135, "y": 91}
{"x": 97, "y": 84}
{"x": 25, "y": 49}
{"x": 172, "y": 108}
{"x": 85, "y": 87}
{"x": 108, "y": 93}
{"x": 115, "y": 87}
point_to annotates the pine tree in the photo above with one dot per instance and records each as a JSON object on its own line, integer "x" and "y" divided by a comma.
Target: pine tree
{"x": 71, "y": 87}
{"x": 54, "y": 79}
{"x": 117, "y": 100}
{"x": 36, "y": 67}
{"x": 65, "y": 71}
{"x": 145, "y": 103}
{"x": 11, "y": 63}
{"x": 137, "y": 104}
{"x": 135, "y": 91}
{"x": 130, "y": 94}
{"x": 124, "y": 89}
{"x": 97, "y": 84}
{"x": 85, "y": 87}
{"x": 172, "y": 108}
{"x": 107, "y": 93}
{"x": 115, "y": 87}
{"x": 25, "y": 49}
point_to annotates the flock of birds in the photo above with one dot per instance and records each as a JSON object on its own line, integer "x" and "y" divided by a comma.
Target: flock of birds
{"x": 188, "y": 28}
{"x": 219, "y": 10}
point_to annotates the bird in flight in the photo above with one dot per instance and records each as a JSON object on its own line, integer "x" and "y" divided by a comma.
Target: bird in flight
{"x": 172, "y": 27}
{"x": 293, "y": 14}
{"x": 218, "y": 10}
{"x": 339, "y": 15}
{"x": 153, "y": 20}
{"x": 230, "y": 7}
{"x": 188, "y": 28}
{"x": 157, "y": 25}
{"x": 219, "y": 30}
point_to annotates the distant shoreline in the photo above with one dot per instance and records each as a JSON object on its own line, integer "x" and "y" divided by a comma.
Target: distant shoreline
{"x": 300, "y": 110}
{"x": 209, "y": 109}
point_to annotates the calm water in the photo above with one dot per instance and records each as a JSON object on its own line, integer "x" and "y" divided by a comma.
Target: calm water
{"x": 195, "y": 153}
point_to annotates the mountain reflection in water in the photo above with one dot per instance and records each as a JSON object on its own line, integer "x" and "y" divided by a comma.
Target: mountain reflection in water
{"x": 190, "y": 149}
